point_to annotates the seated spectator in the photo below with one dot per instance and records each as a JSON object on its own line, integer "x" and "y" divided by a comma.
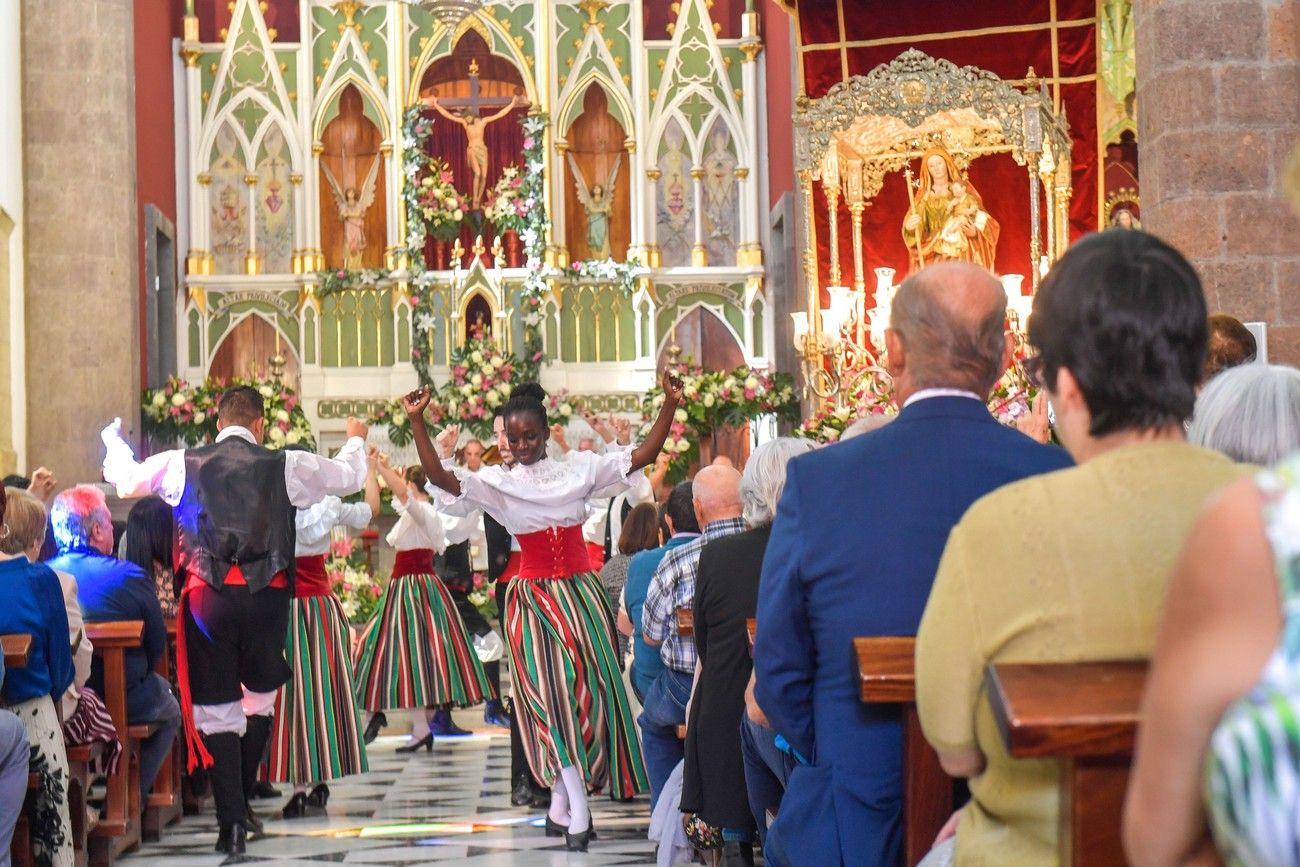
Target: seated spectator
{"x": 640, "y": 532}
{"x": 1119, "y": 325}
{"x": 33, "y": 604}
{"x": 716, "y": 500}
{"x": 1230, "y": 344}
{"x": 15, "y": 752}
{"x": 680, "y": 527}
{"x": 149, "y": 542}
{"x": 854, "y": 548}
{"x": 111, "y": 589}
{"x": 1249, "y": 413}
{"x": 726, "y": 595}
{"x": 1216, "y": 747}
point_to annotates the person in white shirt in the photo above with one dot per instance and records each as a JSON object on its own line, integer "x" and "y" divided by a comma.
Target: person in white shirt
{"x": 416, "y": 654}
{"x": 317, "y": 735}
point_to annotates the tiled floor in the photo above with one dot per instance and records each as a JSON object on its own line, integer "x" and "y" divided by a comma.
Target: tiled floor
{"x": 449, "y": 805}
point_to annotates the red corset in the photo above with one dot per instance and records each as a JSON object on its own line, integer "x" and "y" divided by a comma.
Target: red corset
{"x": 417, "y": 561}
{"x": 312, "y": 580}
{"x": 556, "y": 552}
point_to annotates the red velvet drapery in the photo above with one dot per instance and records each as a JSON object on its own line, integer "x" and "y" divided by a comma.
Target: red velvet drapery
{"x": 1058, "y": 38}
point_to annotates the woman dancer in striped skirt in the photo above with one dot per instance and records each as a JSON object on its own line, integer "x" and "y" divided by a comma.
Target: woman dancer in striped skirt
{"x": 577, "y": 727}
{"x": 415, "y": 654}
{"x": 317, "y": 732}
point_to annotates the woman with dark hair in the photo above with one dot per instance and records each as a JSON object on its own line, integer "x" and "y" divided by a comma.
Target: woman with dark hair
{"x": 577, "y": 727}
{"x": 416, "y": 654}
{"x": 33, "y": 604}
{"x": 149, "y": 542}
{"x": 640, "y": 533}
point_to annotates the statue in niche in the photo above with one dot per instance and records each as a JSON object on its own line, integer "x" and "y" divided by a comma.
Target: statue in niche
{"x": 597, "y": 202}
{"x": 946, "y": 221}
{"x": 476, "y": 150}
{"x": 352, "y": 210}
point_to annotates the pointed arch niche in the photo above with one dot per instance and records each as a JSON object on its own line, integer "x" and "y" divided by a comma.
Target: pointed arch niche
{"x": 595, "y": 140}
{"x": 351, "y": 146}
{"x": 247, "y": 348}
{"x": 674, "y": 196}
{"x": 708, "y": 341}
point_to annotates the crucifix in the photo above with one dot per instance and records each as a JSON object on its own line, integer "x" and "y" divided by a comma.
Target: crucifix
{"x": 468, "y": 113}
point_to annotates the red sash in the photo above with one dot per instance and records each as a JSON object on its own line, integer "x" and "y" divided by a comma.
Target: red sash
{"x": 556, "y": 552}
{"x": 416, "y": 561}
{"x": 312, "y": 579}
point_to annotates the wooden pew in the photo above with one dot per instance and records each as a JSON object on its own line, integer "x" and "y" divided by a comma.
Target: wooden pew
{"x": 886, "y": 665}
{"x": 686, "y": 629}
{"x": 1085, "y": 714}
{"x": 16, "y": 647}
{"x": 164, "y": 805}
{"x": 119, "y": 830}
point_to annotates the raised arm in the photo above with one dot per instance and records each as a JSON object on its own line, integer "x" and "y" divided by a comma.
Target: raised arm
{"x": 432, "y": 102}
{"x": 393, "y": 479}
{"x": 415, "y": 404}
{"x": 644, "y": 455}
{"x": 310, "y": 478}
{"x": 163, "y": 474}
{"x": 509, "y": 107}
{"x": 372, "y": 481}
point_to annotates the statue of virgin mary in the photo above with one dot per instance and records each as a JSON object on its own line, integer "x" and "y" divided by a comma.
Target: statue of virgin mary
{"x": 946, "y": 221}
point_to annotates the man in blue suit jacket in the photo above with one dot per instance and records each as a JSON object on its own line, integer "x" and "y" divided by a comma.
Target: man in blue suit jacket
{"x": 854, "y": 550}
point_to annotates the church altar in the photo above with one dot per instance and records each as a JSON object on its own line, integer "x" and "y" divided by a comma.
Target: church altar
{"x": 367, "y": 186}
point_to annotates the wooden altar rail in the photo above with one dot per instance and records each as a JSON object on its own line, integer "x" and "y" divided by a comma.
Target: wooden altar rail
{"x": 1086, "y": 715}
{"x": 16, "y": 648}
{"x": 887, "y": 668}
{"x": 119, "y": 830}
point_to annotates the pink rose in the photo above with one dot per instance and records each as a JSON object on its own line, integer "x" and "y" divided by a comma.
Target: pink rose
{"x": 341, "y": 274}
{"x": 528, "y": 142}
{"x": 415, "y": 353}
{"x": 415, "y": 301}
{"x": 446, "y": 177}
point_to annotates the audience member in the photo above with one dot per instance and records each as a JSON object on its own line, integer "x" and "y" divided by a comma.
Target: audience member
{"x": 640, "y": 532}
{"x": 716, "y": 498}
{"x": 1250, "y": 413}
{"x": 865, "y": 425}
{"x": 26, "y": 519}
{"x": 1230, "y": 344}
{"x": 680, "y": 528}
{"x": 33, "y": 605}
{"x": 1119, "y": 325}
{"x": 1216, "y": 747}
{"x": 726, "y": 596}
{"x": 15, "y": 753}
{"x": 149, "y": 542}
{"x": 853, "y": 552}
{"x": 111, "y": 589}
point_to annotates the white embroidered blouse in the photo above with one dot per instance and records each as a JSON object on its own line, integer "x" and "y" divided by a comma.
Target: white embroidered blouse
{"x": 315, "y": 523}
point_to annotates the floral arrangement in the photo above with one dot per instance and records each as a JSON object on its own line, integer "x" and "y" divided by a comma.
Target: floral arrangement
{"x": 507, "y": 209}
{"x": 559, "y": 407}
{"x": 438, "y": 203}
{"x": 482, "y": 377}
{"x": 718, "y": 398}
{"x": 829, "y": 425}
{"x": 483, "y": 596}
{"x": 356, "y": 588}
{"x": 332, "y": 282}
{"x": 187, "y": 413}
{"x": 418, "y": 165}
{"x": 621, "y": 274}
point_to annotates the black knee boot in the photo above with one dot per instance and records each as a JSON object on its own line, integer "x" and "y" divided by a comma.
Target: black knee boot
{"x": 227, "y": 784}
{"x": 252, "y": 749}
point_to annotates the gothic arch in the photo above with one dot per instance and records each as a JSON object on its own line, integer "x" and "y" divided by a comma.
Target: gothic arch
{"x": 249, "y": 147}
{"x": 328, "y": 105}
{"x": 480, "y": 24}
{"x": 571, "y": 108}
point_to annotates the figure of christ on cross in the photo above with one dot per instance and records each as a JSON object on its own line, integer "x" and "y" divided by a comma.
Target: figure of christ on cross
{"x": 476, "y": 151}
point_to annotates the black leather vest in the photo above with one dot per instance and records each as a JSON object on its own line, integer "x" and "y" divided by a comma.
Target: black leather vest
{"x": 236, "y": 510}
{"x": 457, "y": 570}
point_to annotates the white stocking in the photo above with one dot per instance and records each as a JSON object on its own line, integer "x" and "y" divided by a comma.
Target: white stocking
{"x": 559, "y": 810}
{"x": 579, "y": 814}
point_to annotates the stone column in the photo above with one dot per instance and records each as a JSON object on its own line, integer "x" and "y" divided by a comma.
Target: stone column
{"x": 82, "y": 315}
{"x": 1218, "y": 88}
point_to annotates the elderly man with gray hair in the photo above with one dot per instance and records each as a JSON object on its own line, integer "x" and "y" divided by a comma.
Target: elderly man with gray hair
{"x": 896, "y": 492}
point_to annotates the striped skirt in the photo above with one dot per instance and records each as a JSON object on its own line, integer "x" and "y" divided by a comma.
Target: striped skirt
{"x": 567, "y": 684}
{"x": 317, "y": 728}
{"x": 415, "y": 652}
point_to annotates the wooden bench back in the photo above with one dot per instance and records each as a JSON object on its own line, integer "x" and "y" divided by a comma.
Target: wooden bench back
{"x": 120, "y": 829}
{"x": 16, "y": 647}
{"x": 686, "y": 622}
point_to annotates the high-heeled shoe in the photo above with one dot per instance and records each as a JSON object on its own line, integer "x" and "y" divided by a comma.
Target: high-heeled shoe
{"x": 232, "y": 839}
{"x": 578, "y": 842}
{"x": 377, "y": 722}
{"x": 296, "y": 808}
{"x": 426, "y": 742}
{"x": 319, "y": 796}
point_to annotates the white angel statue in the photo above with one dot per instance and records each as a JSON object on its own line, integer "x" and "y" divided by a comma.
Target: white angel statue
{"x": 352, "y": 213}
{"x": 598, "y": 201}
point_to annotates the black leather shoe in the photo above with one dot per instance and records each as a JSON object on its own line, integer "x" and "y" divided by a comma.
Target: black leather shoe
{"x": 296, "y": 808}
{"x": 522, "y": 794}
{"x": 232, "y": 839}
{"x": 377, "y": 722}
{"x": 442, "y": 725}
{"x": 253, "y": 825}
{"x": 414, "y": 747}
{"x": 263, "y": 789}
{"x": 319, "y": 796}
{"x": 578, "y": 842}
{"x": 737, "y": 854}
{"x": 555, "y": 829}
{"x": 541, "y": 796}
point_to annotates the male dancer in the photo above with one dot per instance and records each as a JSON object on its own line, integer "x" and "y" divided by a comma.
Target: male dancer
{"x": 235, "y": 505}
